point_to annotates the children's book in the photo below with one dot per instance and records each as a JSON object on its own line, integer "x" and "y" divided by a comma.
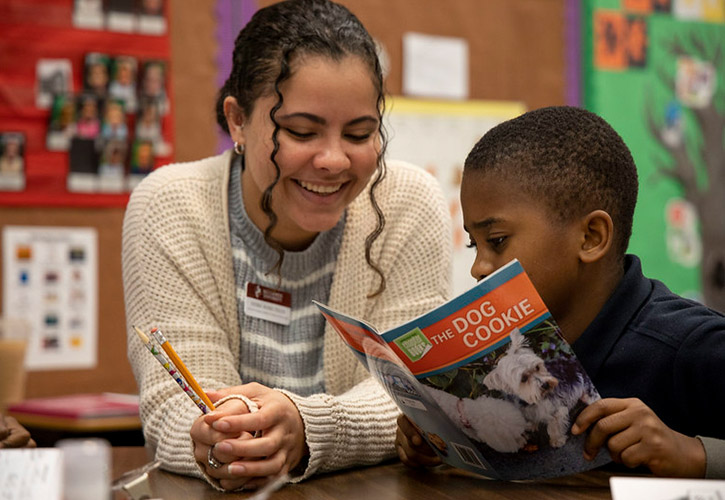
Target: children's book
{"x": 487, "y": 378}
{"x": 78, "y": 406}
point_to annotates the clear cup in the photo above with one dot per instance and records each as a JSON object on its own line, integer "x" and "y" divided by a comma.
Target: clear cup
{"x": 14, "y": 334}
{"x": 86, "y": 468}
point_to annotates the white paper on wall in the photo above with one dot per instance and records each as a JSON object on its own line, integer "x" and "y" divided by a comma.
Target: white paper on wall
{"x": 437, "y": 136}
{"x": 50, "y": 279}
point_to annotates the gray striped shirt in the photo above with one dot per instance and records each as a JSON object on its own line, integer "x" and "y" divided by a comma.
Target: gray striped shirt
{"x": 283, "y": 356}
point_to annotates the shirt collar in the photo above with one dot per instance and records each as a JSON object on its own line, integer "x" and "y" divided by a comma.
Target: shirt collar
{"x": 594, "y": 346}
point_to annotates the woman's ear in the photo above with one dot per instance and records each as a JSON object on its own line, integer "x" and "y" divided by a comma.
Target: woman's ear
{"x": 598, "y": 235}
{"x": 235, "y": 119}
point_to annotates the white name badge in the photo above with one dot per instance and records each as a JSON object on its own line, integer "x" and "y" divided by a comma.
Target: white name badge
{"x": 268, "y": 304}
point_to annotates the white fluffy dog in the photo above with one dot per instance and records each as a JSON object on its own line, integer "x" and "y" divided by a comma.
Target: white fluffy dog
{"x": 496, "y": 422}
{"x": 542, "y": 398}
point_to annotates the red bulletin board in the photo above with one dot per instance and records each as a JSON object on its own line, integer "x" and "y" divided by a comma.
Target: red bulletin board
{"x": 31, "y": 30}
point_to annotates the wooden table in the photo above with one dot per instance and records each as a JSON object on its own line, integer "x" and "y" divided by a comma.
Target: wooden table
{"x": 391, "y": 481}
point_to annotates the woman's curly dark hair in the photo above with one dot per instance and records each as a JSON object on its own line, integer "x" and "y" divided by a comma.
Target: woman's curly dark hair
{"x": 263, "y": 53}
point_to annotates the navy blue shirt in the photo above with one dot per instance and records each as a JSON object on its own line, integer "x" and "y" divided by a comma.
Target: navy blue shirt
{"x": 668, "y": 351}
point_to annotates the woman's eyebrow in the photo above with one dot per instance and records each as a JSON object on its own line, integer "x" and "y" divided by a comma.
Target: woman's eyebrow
{"x": 321, "y": 121}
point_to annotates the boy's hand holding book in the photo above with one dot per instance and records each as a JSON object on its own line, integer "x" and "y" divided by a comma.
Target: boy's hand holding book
{"x": 635, "y": 436}
{"x": 412, "y": 449}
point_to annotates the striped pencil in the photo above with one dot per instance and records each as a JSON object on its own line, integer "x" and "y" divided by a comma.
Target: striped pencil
{"x": 166, "y": 346}
{"x": 169, "y": 366}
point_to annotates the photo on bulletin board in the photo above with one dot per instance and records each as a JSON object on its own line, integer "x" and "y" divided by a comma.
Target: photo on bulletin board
{"x": 88, "y": 14}
{"x": 151, "y": 18}
{"x": 96, "y": 73}
{"x": 87, "y": 85}
{"x": 456, "y": 126}
{"x": 62, "y": 122}
{"x": 12, "y": 161}
{"x": 153, "y": 84}
{"x": 53, "y": 76}
{"x": 123, "y": 81}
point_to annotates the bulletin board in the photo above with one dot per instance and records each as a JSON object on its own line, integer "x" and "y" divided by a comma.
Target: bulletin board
{"x": 40, "y": 30}
{"x": 452, "y": 128}
{"x": 655, "y": 70}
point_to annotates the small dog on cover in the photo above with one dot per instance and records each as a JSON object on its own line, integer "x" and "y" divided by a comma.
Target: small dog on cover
{"x": 542, "y": 397}
{"x": 497, "y": 422}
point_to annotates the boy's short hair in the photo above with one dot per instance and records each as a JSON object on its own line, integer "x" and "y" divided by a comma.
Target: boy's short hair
{"x": 568, "y": 157}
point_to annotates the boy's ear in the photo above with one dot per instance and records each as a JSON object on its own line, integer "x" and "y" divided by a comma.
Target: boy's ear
{"x": 597, "y": 236}
{"x": 235, "y": 119}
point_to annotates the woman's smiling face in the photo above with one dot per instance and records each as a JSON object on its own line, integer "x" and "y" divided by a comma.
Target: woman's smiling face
{"x": 328, "y": 147}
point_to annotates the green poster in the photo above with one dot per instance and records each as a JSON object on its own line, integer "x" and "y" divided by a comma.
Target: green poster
{"x": 655, "y": 70}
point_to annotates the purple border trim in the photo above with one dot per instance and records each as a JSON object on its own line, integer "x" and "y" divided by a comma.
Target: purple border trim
{"x": 572, "y": 42}
{"x": 232, "y": 16}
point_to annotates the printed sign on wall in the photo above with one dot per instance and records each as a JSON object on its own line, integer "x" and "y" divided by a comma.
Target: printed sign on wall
{"x": 50, "y": 279}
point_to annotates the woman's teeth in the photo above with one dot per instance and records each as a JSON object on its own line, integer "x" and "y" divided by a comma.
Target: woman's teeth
{"x": 320, "y": 189}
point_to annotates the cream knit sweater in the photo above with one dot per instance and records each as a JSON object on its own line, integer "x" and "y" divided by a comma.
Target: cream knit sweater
{"x": 178, "y": 276}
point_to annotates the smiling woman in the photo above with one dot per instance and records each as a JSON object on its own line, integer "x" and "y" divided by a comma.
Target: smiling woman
{"x": 225, "y": 255}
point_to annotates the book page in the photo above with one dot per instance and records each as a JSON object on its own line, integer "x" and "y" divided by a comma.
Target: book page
{"x": 31, "y": 474}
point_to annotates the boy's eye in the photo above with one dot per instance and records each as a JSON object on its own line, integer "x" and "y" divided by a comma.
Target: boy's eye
{"x": 496, "y": 242}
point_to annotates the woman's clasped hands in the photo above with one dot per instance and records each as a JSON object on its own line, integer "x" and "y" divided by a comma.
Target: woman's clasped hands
{"x": 225, "y": 442}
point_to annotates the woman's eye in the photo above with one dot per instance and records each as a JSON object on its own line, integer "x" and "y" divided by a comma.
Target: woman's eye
{"x": 299, "y": 135}
{"x": 358, "y": 137}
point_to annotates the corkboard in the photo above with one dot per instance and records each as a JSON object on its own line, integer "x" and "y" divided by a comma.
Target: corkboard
{"x": 113, "y": 372}
{"x": 517, "y": 50}
{"x": 516, "y": 53}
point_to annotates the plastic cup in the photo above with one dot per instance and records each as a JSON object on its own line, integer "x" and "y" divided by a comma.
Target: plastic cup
{"x": 86, "y": 468}
{"x": 13, "y": 346}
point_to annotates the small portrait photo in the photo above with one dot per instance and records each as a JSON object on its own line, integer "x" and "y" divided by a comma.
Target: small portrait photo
{"x": 12, "y": 161}
{"x": 112, "y": 166}
{"x": 151, "y": 18}
{"x": 114, "y": 120}
{"x": 88, "y": 14}
{"x": 148, "y": 121}
{"x": 88, "y": 113}
{"x": 96, "y": 73}
{"x": 142, "y": 157}
{"x": 637, "y": 41}
{"x": 54, "y": 76}
{"x": 123, "y": 81}
{"x": 153, "y": 83}
{"x": 62, "y": 126}
{"x": 83, "y": 166}
{"x": 120, "y": 15}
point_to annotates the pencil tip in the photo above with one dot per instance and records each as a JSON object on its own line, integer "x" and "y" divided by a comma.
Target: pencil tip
{"x": 144, "y": 338}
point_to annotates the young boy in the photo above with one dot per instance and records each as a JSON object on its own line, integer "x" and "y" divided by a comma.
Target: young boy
{"x": 556, "y": 188}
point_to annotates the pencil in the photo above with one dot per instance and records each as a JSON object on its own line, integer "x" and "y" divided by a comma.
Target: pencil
{"x": 166, "y": 346}
{"x": 173, "y": 371}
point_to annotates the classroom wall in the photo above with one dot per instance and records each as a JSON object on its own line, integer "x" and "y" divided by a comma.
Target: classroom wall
{"x": 516, "y": 53}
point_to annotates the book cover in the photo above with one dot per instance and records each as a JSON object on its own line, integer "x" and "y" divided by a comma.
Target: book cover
{"x": 486, "y": 377}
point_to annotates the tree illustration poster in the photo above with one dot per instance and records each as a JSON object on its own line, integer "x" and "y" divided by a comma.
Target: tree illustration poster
{"x": 655, "y": 70}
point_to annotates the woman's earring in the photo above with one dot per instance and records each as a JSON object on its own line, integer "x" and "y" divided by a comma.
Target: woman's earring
{"x": 239, "y": 148}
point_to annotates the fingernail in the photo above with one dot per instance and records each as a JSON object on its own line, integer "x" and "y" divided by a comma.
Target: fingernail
{"x": 417, "y": 440}
{"x": 224, "y": 447}
{"x": 221, "y": 425}
{"x": 575, "y": 429}
{"x": 237, "y": 470}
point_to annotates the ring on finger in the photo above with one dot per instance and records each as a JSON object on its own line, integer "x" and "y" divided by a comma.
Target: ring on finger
{"x": 213, "y": 462}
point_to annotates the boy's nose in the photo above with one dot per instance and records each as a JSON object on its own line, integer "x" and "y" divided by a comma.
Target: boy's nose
{"x": 481, "y": 268}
